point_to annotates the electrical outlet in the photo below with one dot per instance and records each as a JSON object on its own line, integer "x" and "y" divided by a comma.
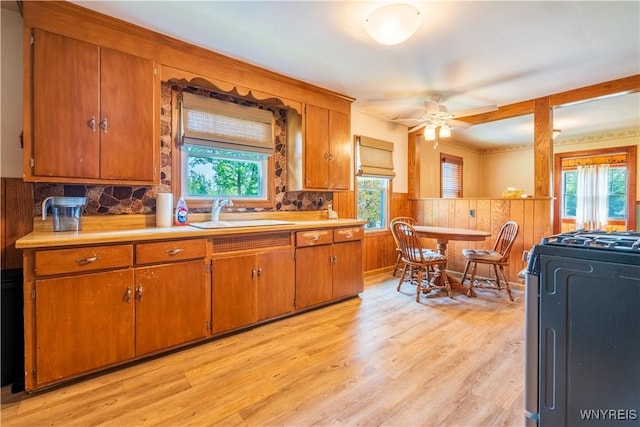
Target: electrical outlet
{"x": 320, "y": 202}
{"x": 472, "y": 213}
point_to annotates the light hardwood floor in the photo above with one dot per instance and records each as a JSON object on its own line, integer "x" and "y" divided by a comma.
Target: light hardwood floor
{"x": 381, "y": 359}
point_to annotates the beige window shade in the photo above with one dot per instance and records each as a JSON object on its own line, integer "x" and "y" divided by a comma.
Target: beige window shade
{"x": 211, "y": 122}
{"x": 375, "y": 157}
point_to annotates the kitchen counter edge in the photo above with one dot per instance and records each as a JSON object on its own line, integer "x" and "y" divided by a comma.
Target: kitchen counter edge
{"x": 49, "y": 239}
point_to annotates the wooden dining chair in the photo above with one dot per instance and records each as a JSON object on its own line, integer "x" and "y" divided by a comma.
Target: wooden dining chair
{"x": 498, "y": 257}
{"x": 427, "y": 264}
{"x": 398, "y": 267}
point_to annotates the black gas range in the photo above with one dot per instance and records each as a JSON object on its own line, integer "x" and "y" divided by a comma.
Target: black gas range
{"x": 583, "y": 330}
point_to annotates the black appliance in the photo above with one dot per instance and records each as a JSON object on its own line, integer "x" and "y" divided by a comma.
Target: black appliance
{"x": 583, "y": 330}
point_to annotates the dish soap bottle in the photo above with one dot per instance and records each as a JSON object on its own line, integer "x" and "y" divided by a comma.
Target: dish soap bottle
{"x": 182, "y": 212}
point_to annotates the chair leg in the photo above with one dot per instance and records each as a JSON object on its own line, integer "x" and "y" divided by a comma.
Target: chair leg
{"x": 397, "y": 266}
{"x": 466, "y": 269}
{"x": 470, "y": 291}
{"x": 495, "y": 271}
{"x": 507, "y": 284}
{"x": 419, "y": 287}
{"x": 404, "y": 273}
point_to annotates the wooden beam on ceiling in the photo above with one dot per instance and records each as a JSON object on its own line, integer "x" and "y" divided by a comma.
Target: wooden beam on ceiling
{"x": 629, "y": 84}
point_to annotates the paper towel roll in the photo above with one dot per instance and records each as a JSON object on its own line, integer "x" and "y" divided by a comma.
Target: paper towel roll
{"x": 164, "y": 209}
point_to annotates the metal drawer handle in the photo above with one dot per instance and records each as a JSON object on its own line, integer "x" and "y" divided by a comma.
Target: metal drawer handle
{"x": 174, "y": 251}
{"x": 85, "y": 261}
{"x": 349, "y": 234}
{"x": 92, "y": 123}
{"x": 103, "y": 125}
{"x": 314, "y": 238}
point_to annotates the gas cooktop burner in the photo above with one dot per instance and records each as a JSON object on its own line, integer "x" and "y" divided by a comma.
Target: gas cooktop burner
{"x": 597, "y": 239}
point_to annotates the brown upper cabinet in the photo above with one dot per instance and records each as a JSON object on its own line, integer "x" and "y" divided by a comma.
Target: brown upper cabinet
{"x": 93, "y": 114}
{"x": 321, "y": 160}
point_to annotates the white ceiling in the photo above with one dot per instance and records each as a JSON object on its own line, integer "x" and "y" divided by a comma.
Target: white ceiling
{"x": 473, "y": 53}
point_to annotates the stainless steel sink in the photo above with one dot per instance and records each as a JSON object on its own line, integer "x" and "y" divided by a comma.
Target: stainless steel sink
{"x": 234, "y": 224}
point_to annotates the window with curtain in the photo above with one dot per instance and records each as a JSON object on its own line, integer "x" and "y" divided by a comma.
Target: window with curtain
{"x": 225, "y": 149}
{"x": 615, "y": 194}
{"x": 450, "y": 175}
{"x": 374, "y": 168}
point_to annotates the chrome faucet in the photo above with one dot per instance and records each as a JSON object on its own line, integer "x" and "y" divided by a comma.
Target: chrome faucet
{"x": 217, "y": 207}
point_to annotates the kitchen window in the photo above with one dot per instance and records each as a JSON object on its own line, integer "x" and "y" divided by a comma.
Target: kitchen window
{"x": 616, "y": 209}
{"x": 374, "y": 168}
{"x": 450, "y": 175}
{"x": 373, "y": 202}
{"x": 226, "y": 151}
{"x": 616, "y": 193}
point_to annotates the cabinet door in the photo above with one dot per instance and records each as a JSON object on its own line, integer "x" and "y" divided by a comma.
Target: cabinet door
{"x": 276, "y": 284}
{"x": 234, "y": 292}
{"x": 316, "y": 147}
{"x": 127, "y": 106}
{"x": 83, "y": 323}
{"x": 341, "y": 148}
{"x": 313, "y": 275}
{"x": 347, "y": 269}
{"x": 171, "y": 305}
{"x": 65, "y": 98}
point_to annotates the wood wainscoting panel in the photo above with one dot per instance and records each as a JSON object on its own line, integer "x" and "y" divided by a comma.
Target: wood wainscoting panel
{"x": 532, "y": 215}
{"x": 17, "y": 219}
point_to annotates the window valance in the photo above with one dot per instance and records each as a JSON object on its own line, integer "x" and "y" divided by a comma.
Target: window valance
{"x": 375, "y": 157}
{"x": 214, "y": 123}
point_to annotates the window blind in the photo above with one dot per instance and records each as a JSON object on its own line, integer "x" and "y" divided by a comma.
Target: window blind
{"x": 375, "y": 158}
{"x": 214, "y": 123}
{"x": 450, "y": 175}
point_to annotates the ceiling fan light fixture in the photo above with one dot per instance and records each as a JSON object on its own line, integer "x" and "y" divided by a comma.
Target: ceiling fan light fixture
{"x": 445, "y": 131}
{"x": 430, "y": 133}
{"x": 393, "y": 23}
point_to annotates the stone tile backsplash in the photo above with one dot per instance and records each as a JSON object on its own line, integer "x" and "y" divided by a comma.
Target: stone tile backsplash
{"x": 115, "y": 200}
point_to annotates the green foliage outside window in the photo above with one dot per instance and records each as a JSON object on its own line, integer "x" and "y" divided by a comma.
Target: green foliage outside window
{"x": 617, "y": 193}
{"x": 213, "y": 172}
{"x": 372, "y": 202}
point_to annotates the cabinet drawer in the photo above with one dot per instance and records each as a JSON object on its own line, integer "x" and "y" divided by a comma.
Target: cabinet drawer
{"x": 348, "y": 234}
{"x": 314, "y": 237}
{"x": 58, "y": 261}
{"x": 177, "y": 250}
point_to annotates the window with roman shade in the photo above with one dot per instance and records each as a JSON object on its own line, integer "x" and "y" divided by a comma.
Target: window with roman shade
{"x": 214, "y": 123}
{"x": 450, "y": 176}
{"x": 375, "y": 158}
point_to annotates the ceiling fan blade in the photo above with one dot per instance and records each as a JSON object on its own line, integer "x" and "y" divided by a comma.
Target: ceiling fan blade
{"x": 420, "y": 126}
{"x": 406, "y": 120}
{"x": 474, "y": 111}
{"x": 458, "y": 124}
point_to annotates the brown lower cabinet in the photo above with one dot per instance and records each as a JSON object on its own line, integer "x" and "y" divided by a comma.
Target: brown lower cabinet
{"x": 328, "y": 265}
{"x": 88, "y": 308}
{"x": 82, "y": 323}
{"x": 93, "y": 307}
{"x": 252, "y": 281}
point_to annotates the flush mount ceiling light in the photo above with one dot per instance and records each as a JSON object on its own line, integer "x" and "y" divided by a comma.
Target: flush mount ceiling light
{"x": 393, "y": 23}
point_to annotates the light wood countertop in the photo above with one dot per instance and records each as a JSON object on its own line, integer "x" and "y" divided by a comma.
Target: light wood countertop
{"x": 102, "y": 230}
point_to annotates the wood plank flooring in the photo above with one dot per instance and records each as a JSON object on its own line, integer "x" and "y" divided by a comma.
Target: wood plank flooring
{"x": 381, "y": 359}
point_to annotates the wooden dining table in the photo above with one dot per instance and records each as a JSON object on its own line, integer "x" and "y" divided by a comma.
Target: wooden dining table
{"x": 444, "y": 234}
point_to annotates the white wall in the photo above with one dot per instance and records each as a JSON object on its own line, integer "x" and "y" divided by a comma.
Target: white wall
{"x": 366, "y": 125}
{"x": 11, "y": 94}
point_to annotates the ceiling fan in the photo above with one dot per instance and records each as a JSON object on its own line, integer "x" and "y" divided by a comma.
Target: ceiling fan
{"x": 438, "y": 121}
